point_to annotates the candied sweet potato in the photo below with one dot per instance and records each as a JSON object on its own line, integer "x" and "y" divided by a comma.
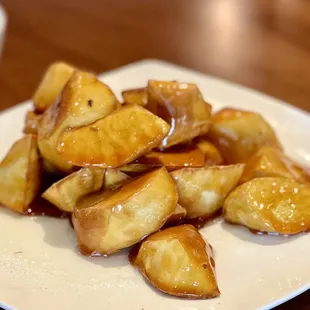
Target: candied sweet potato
{"x": 20, "y": 175}
{"x": 132, "y": 212}
{"x": 135, "y": 96}
{"x": 182, "y": 106}
{"x": 239, "y": 134}
{"x": 202, "y": 191}
{"x": 212, "y": 154}
{"x": 65, "y": 193}
{"x": 115, "y": 140}
{"x": 52, "y": 83}
{"x": 175, "y": 159}
{"x": 178, "y": 262}
{"x": 83, "y": 100}
{"x": 272, "y": 204}
{"x": 31, "y": 123}
{"x": 272, "y": 162}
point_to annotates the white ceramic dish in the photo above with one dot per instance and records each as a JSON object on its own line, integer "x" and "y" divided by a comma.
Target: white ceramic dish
{"x": 41, "y": 269}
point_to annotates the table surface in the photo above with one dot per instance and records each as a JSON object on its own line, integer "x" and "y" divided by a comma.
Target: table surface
{"x": 262, "y": 44}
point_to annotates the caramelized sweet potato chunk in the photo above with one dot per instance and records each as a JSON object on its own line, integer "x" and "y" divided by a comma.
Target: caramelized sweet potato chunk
{"x": 271, "y": 162}
{"x": 20, "y": 175}
{"x": 202, "y": 191}
{"x": 274, "y": 204}
{"x": 54, "y": 79}
{"x": 178, "y": 262}
{"x": 212, "y": 154}
{"x": 135, "y": 168}
{"x": 31, "y": 123}
{"x": 115, "y": 140}
{"x": 65, "y": 193}
{"x": 128, "y": 215}
{"x": 114, "y": 178}
{"x": 177, "y": 216}
{"x": 175, "y": 159}
{"x": 182, "y": 106}
{"x": 239, "y": 134}
{"x": 83, "y": 100}
{"x": 135, "y": 96}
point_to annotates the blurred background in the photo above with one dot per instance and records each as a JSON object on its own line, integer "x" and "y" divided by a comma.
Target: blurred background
{"x": 262, "y": 44}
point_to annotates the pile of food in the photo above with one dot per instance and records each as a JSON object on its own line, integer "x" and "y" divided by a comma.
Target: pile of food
{"x": 149, "y": 172}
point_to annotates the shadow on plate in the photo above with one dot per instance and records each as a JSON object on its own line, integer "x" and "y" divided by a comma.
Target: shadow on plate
{"x": 246, "y": 235}
{"x": 58, "y": 233}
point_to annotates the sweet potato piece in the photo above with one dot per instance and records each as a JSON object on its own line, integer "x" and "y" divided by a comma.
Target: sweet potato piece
{"x": 31, "y": 123}
{"x": 271, "y": 162}
{"x": 202, "y": 191}
{"x": 182, "y": 106}
{"x": 114, "y": 178}
{"x": 128, "y": 215}
{"x": 239, "y": 134}
{"x": 20, "y": 175}
{"x": 83, "y": 100}
{"x": 135, "y": 96}
{"x": 178, "y": 262}
{"x": 177, "y": 216}
{"x": 54, "y": 79}
{"x": 275, "y": 204}
{"x": 115, "y": 140}
{"x": 136, "y": 168}
{"x": 65, "y": 193}
{"x": 175, "y": 159}
{"x": 213, "y": 157}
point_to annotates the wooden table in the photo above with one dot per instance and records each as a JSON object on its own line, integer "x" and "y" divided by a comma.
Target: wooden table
{"x": 263, "y": 44}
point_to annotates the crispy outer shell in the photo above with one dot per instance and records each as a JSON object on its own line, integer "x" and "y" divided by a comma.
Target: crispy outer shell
{"x": 177, "y": 217}
{"x": 135, "y": 96}
{"x": 53, "y": 81}
{"x": 239, "y": 134}
{"x": 278, "y": 205}
{"x": 83, "y": 100}
{"x": 202, "y": 191}
{"x": 31, "y": 123}
{"x": 114, "y": 178}
{"x": 178, "y": 262}
{"x": 122, "y": 219}
{"x": 115, "y": 140}
{"x": 20, "y": 175}
{"x": 182, "y": 106}
{"x": 186, "y": 156}
{"x": 65, "y": 193}
{"x": 212, "y": 154}
{"x": 272, "y": 162}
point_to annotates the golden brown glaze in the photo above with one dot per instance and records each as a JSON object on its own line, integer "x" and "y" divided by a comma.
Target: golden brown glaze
{"x": 65, "y": 193}
{"x": 239, "y": 134}
{"x": 83, "y": 100}
{"x": 182, "y": 106}
{"x": 114, "y": 178}
{"x": 31, "y": 123}
{"x": 273, "y": 204}
{"x": 212, "y": 154}
{"x": 202, "y": 191}
{"x": 178, "y": 262}
{"x": 272, "y": 162}
{"x": 20, "y": 175}
{"x": 135, "y": 96}
{"x": 115, "y": 140}
{"x": 174, "y": 159}
{"x": 177, "y": 217}
{"x": 127, "y": 215}
{"x": 52, "y": 83}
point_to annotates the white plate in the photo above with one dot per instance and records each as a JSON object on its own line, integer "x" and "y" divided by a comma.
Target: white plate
{"x": 41, "y": 269}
